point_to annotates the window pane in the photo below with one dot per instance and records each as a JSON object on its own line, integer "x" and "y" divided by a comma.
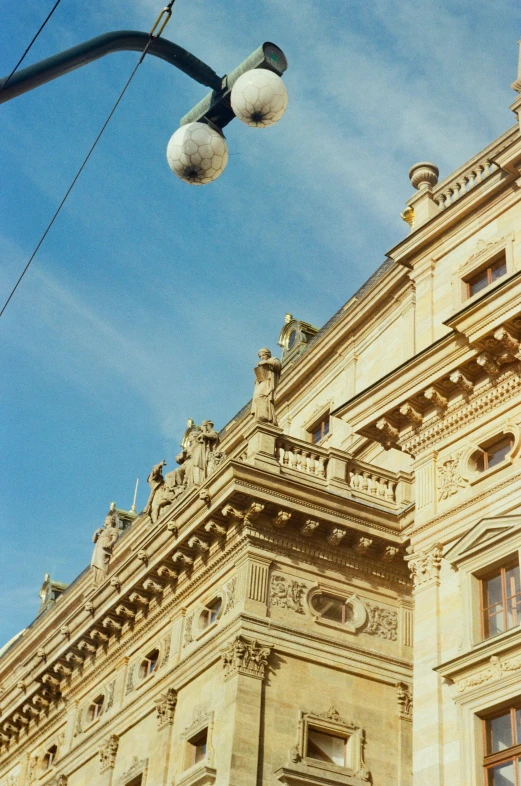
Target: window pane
{"x": 513, "y": 582}
{"x": 492, "y": 589}
{"x": 498, "y": 452}
{"x": 500, "y": 733}
{"x": 513, "y": 612}
{"x": 326, "y": 427}
{"x": 479, "y": 282}
{"x": 502, "y": 775}
{"x": 496, "y": 624}
{"x": 499, "y": 269}
{"x": 328, "y": 607}
{"x": 326, "y": 748}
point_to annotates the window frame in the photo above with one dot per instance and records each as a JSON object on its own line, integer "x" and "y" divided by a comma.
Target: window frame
{"x": 320, "y": 417}
{"x": 99, "y": 702}
{"x": 488, "y": 267}
{"x": 148, "y": 658}
{"x": 506, "y": 755}
{"x": 353, "y": 625}
{"x": 332, "y": 724}
{"x": 501, "y": 570}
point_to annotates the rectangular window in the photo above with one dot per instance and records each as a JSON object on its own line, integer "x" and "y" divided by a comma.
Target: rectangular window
{"x": 494, "y": 454}
{"x": 197, "y": 747}
{"x": 327, "y": 747}
{"x": 502, "y": 734}
{"x": 137, "y": 781}
{"x": 320, "y": 430}
{"x": 501, "y": 600}
{"x": 486, "y": 276}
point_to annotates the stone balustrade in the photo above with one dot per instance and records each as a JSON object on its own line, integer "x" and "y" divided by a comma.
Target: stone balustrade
{"x": 449, "y": 192}
{"x": 369, "y": 480}
{"x": 302, "y": 457}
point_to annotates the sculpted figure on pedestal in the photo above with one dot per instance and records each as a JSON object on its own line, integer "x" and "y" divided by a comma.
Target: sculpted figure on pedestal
{"x": 104, "y": 540}
{"x": 198, "y": 459}
{"x": 267, "y": 375}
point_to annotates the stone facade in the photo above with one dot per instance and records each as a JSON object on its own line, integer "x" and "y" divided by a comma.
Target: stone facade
{"x": 300, "y": 602}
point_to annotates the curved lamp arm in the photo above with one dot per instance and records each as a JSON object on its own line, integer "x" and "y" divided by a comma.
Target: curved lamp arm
{"x": 117, "y": 41}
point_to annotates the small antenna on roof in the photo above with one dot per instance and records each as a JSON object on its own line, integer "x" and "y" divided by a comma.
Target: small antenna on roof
{"x": 133, "y": 508}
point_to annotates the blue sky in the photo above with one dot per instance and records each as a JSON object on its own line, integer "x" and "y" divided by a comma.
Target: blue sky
{"x": 149, "y": 299}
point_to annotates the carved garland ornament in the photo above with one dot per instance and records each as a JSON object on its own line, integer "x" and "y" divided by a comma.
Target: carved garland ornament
{"x": 496, "y": 668}
{"x": 245, "y": 656}
{"x": 382, "y": 622}
{"x": 286, "y": 593}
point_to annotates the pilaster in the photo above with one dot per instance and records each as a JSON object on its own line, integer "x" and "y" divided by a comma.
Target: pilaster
{"x": 245, "y": 663}
{"x": 423, "y": 278}
{"x": 427, "y": 689}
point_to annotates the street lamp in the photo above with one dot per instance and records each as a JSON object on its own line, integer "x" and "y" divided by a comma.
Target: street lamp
{"x": 197, "y": 151}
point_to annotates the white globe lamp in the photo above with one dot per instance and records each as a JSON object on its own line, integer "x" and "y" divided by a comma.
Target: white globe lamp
{"x": 259, "y": 98}
{"x": 197, "y": 154}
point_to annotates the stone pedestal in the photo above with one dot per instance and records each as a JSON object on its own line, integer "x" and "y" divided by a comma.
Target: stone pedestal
{"x": 262, "y": 446}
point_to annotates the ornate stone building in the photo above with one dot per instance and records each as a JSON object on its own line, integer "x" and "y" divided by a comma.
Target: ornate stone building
{"x": 350, "y": 540}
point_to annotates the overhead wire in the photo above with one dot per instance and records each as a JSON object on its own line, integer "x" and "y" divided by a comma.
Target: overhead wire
{"x": 167, "y": 12}
{"x": 19, "y": 63}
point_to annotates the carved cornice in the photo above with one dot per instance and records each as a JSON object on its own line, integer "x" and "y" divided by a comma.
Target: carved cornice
{"x": 497, "y": 667}
{"x": 465, "y": 412}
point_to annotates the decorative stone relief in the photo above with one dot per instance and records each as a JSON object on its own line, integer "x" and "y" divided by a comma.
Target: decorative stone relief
{"x": 450, "y": 480}
{"x": 109, "y": 695}
{"x": 281, "y": 519}
{"x": 107, "y": 753}
{"x": 165, "y": 708}
{"x": 230, "y": 589}
{"x": 404, "y": 697}
{"x": 130, "y": 678}
{"x": 309, "y": 528}
{"x": 78, "y": 726}
{"x": 188, "y": 636}
{"x": 382, "y": 622}
{"x": 137, "y": 767}
{"x": 424, "y": 566}
{"x": 496, "y": 668}
{"x": 165, "y": 649}
{"x": 286, "y": 593}
{"x": 336, "y": 535}
{"x": 245, "y": 656}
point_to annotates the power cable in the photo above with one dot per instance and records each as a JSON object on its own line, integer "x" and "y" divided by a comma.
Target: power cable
{"x": 166, "y": 10}
{"x": 53, "y": 9}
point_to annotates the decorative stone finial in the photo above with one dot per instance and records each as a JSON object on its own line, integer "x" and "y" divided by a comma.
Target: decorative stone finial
{"x": 423, "y": 175}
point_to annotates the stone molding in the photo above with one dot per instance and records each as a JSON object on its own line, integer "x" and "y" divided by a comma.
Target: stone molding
{"x": 245, "y": 656}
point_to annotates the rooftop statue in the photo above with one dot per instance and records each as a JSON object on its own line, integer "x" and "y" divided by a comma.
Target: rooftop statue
{"x": 267, "y": 375}
{"x": 198, "y": 459}
{"x": 104, "y": 540}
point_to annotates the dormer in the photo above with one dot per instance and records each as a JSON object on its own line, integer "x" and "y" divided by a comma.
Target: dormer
{"x": 294, "y": 337}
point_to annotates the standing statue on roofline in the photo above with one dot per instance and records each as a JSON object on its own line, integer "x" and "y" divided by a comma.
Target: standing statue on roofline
{"x": 267, "y": 375}
{"x": 104, "y": 540}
